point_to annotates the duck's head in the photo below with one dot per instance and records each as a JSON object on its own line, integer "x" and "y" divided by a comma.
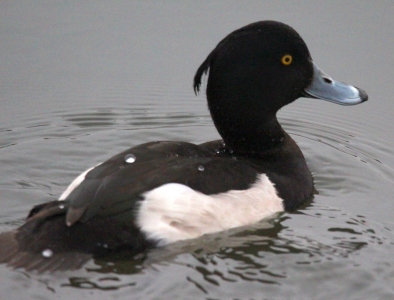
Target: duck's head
{"x": 255, "y": 71}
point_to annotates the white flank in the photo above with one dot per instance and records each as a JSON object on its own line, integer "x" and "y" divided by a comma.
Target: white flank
{"x": 77, "y": 181}
{"x": 175, "y": 212}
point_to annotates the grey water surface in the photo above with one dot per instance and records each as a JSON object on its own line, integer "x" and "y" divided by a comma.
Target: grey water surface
{"x": 83, "y": 80}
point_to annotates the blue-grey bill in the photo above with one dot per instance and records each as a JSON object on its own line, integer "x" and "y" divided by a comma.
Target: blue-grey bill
{"x": 325, "y": 88}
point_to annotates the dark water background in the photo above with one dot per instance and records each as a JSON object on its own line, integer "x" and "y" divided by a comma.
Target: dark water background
{"x": 83, "y": 80}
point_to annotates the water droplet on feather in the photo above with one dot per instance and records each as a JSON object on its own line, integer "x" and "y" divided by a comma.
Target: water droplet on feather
{"x": 130, "y": 158}
{"x": 47, "y": 253}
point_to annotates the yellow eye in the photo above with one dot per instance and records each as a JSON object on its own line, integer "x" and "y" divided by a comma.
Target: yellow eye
{"x": 287, "y": 59}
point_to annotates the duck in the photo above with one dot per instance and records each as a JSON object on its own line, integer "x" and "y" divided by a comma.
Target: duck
{"x": 162, "y": 192}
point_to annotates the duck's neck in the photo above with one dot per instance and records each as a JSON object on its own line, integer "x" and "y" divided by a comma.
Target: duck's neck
{"x": 252, "y": 137}
{"x": 244, "y": 112}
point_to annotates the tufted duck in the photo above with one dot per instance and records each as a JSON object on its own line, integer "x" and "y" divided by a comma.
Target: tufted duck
{"x": 161, "y": 192}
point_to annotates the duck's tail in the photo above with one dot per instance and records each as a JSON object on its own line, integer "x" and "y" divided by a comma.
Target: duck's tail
{"x": 46, "y": 243}
{"x": 14, "y": 255}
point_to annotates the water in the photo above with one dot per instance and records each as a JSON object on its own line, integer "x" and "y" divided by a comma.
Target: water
{"x": 81, "y": 82}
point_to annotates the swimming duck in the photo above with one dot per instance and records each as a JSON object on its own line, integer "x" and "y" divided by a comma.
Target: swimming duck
{"x": 162, "y": 192}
